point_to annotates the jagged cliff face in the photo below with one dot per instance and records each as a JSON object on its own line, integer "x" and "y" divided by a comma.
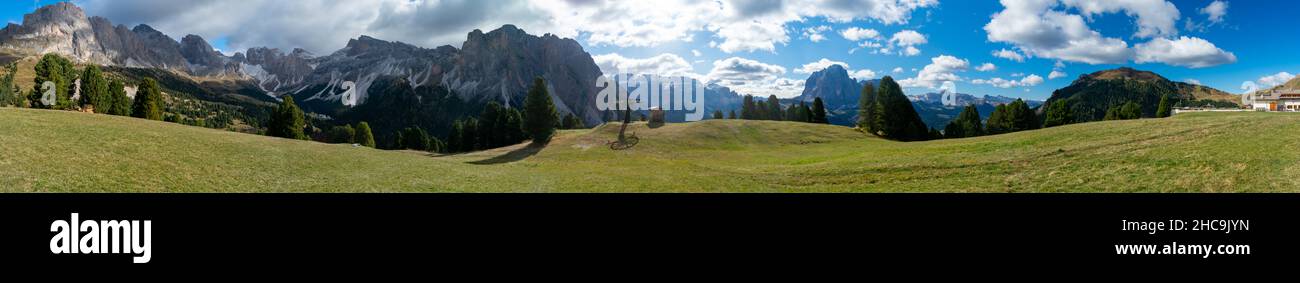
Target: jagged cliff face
{"x": 834, "y": 86}
{"x": 499, "y": 65}
{"x": 64, "y": 29}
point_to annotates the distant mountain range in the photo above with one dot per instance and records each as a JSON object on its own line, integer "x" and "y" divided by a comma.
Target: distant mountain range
{"x": 493, "y": 66}
{"x": 498, "y": 65}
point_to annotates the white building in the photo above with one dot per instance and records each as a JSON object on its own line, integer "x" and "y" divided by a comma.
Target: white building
{"x": 1277, "y": 100}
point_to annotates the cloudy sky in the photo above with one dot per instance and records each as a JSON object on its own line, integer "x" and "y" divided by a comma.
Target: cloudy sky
{"x": 1019, "y": 48}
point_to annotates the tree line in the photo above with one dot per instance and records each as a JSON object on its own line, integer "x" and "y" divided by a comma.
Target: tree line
{"x": 57, "y": 80}
{"x": 771, "y": 110}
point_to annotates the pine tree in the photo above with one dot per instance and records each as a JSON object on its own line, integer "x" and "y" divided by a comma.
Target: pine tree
{"x": 819, "y": 111}
{"x": 148, "y": 101}
{"x": 456, "y": 137}
{"x": 364, "y": 136}
{"x": 747, "y": 108}
{"x": 867, "y": 108}
{"x": 1163, "y": 110}
{"x": 966, "y": 125}
{"x": 470, "y": 135}
{"x": 342, "y": 134}
{"x": 514, "y": 127}
{"x": 1000, "y": 121}
{"x": 897, "y": 118}
{"x": 60, "y": 73}
{"x": 774, "y": 108}
{"x": 717, "y": 114}
{"x": 287, "y": 121}
{"x": 732, "y": 115}
{"x": 8, "y": 90}
{"x": 539, "y": 113}
{"x": 415, "y": 138}
{"x": 1022, "y": 117}
{"x": 94, "y": 90}
{"x": 805, "y": 113}
{"x": 1058, "y": 113}
{"x": 491, "y": 119}
{"x": 121, "y": 103}
{"x": 1131, "y": 110}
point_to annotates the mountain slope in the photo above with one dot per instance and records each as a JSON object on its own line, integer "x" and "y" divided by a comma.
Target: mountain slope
{"x": 1091, "y": 95}
{"x": 1198, "y": 152}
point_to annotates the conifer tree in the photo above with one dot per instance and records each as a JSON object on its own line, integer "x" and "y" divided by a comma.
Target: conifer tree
{"x": 867, "y": 108}
{"x": 287, "y": 121}
{"x": 539, "y": 112}
{"x": 1163, "y": 110}
{"x": 364, "y": 136}
{"x": 94, "y": 90}
{"x": 121, "y": 103}
{"x": 819, "y": 111}
{"x": 148, "y": 101}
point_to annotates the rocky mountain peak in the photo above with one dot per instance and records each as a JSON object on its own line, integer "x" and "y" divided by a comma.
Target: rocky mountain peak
{"x": 1125, "y": 73}
{"x": 833, "y": 85}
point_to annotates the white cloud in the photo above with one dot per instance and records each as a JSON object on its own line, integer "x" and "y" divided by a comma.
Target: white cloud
{"x": 1275, "y": 79}
{"x": 1056, "y": 74}
{"x": 1215, "y": 11}
{"x": 941, "y": 69}
{"x": 1154, "y": 17}
{"x": 910, "y": 51}
{"x": 1027, "y": 81}
{"x": 666, "y": 64}
{"x": 753, "y": 77}
{"x": 1193, "y": 81}
{"x": 897, "y": 70}
{"x": 1185, "y": 51}
{"x": 987, "y": 67}
{"x": 859, "y": 34}
{"x": 814, "y": 34}
{"x": 819, "y": 65}
{"x": 864, "y": 74}
{"x": 736, "y": 25}
{"x": 696, "y": 53}
{"x": 908, "y": 38}
{"x": 824, "y": 63}
{"x": 1009, "y": 55}
{"x": 1038, "y": 30}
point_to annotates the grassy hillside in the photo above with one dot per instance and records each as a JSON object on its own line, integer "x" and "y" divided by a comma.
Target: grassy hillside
{"x": 1201, "y": 152}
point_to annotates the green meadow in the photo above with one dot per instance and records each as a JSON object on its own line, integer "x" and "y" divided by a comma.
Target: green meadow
{"x": 62, "y": 151}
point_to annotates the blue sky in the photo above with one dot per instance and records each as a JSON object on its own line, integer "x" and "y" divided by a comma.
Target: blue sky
{"x": 761, "y": 47}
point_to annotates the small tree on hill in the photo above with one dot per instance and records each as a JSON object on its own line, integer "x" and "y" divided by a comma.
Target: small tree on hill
{"x": 1057, "y": 113}
{"x": 121, "y": 103}
{"x": 539, "y": 113}
{"x": 1164, "y": 110}
{"x": 819, "y": 111}
{"x": 364, "y": 136}
{"x": 287, "y": 121}
{"x": 966, "y": 125}
{"x": 148, "y": 101}
{"x": 867, "y": 108}
{"x": 94, "y": 90}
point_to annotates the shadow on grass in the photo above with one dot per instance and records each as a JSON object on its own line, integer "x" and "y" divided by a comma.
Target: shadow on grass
{"x": 512, "y": 156}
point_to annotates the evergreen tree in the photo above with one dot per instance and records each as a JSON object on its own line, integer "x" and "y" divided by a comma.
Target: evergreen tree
{"x": 94, "y": 90}
{"x": 514, "y": 126}
{"x": 364, "y": 136}
{"x": 897, "y": 118}
{"x": 1057, "y": 113}
{"x": 717, "y": 114}
{"x": 539, "y": 113}
{"x": 8, "y": 90}
{"x": 819, "y": 111}
{"x": 805, "y": 113}
{"x": 121, "y": 103}
{"x": 1163, "y": 110}
{"x": 1000, "y": 121}
{"x": 342, "y": 134}
{"x": 287, "y": 121}
{"x": 867, "y": 108}
{"x": 470, "y": 135}
{"x": 792, "y": 113}
{"x": 774, "y": 108}
{"x": 732, "y": 115}
{"x": 966, "y": 125}
{"x": 1022, "y": 117}
{"x": 60, "y": 73}
{"x": 415, "y": 138}
{"x": 760, "y": 110}
{"x": 491, "y": 121}
{"x": 747, "y": 108}
{"x": 456, "y": 137}
{"x": 1131, "y": 110}
{"x": 149, "y": 103}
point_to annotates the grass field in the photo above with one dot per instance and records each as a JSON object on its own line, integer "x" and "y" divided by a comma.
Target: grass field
{"x": 59, "y": 151}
